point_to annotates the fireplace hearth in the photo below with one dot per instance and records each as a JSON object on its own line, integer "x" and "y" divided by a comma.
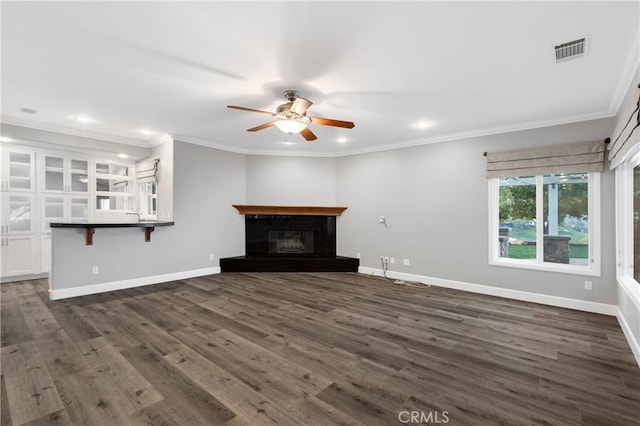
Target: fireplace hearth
{"x": 282, "y": 241}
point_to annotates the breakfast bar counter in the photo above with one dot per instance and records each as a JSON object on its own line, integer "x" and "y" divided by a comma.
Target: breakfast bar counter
{"x": 148, "y": 226}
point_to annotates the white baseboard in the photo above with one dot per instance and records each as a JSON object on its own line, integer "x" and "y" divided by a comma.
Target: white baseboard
{"x": 631, "y": 339}
{"x": 65, "y": 293}
{"x": 562, "y": 302}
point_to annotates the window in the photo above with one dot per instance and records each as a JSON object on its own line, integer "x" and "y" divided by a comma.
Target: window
{"x": 548, "y": 222}
{"x": 148, "y": 200}
{"x": 628, "y": 221}
{"x": 114, "y": 187}
{"x": 636, "y": 223}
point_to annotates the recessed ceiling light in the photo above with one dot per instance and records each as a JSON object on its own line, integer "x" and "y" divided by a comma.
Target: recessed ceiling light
{"x": 82, "y": 118}
{"x": 342, "y": 139}
{"x": 123, "y": 156}
{"x": 146, "y": 132}
{"x": 5, "y": 139}
{"x": 288, "y": 143}
{"x": 423, "y": 124}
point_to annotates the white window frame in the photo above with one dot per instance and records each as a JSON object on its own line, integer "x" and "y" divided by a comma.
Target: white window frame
{"x": 624, "y": 226}
{"x": 594, "y": 260}
{"x": 131, "y": 183}
{"x": 143, "y": 201}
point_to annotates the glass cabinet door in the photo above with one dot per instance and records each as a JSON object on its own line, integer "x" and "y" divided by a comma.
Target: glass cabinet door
{"x": 54, "y": 173}
{"x": 20, "y": 171}
{"x": 79, "y": 175}
{"x": 53, "y": 210}
{"x": 20, "y": 213}
{"x": 79, "y": 209}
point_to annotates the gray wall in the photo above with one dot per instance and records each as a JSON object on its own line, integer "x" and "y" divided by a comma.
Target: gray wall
{"x": 435, "y": 199}
{"x": 291, "y": 180}
{"x": 433, "y": 196}
{"x": 206, "y": 183}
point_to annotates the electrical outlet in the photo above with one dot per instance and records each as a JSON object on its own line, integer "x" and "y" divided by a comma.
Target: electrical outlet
{"x": 406, "y": 262}
{"x": 95, "y": 270}
{"x": 381, "y": 219}
{"x": 588, "y": 285}
{"x": 358, "y": 255}
{"x": 386, "y": 259}
{"x": 211, "y": 257}
{"x": 392, "y": 260}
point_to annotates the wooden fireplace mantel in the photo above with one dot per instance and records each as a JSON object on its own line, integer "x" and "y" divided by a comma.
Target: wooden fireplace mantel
{"x": 290, "y": 210}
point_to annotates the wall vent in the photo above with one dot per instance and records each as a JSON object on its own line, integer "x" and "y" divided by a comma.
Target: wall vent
{"x": 570, "y": 50}
{"x": 28, "y": 110}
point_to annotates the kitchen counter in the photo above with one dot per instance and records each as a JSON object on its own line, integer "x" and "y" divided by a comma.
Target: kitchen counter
{"x": 90, "y": 227}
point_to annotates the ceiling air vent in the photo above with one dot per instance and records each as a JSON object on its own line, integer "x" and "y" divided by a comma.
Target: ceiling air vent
{"x": 28, "y": 110}
{"x": 570, "y": 50}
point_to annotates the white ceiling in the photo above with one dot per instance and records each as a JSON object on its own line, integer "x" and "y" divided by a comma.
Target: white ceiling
{"x": 470, "y": 68}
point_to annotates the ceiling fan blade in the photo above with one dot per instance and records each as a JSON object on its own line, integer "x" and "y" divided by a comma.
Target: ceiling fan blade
{"x": 330, "y": 122}
{"x": 249, "y": 109}
{"x": 308, "y": 134}
{"x": 300, "y": 106}
{"x": 261, "y": 127}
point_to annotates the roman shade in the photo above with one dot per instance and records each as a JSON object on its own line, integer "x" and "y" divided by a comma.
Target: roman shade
{"x": 626, "y": 135}
{"x": 552, "y": 159}
{"x": 147, "y": 170}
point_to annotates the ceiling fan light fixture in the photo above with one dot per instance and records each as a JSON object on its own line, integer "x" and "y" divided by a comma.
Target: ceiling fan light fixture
{"x": 290, "y": 126}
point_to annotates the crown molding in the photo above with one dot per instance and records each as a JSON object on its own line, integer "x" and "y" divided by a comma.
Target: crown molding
{"x": 74, "y": 132}
{"x": 482, "y": 132}
{"x": 328, "y": 154}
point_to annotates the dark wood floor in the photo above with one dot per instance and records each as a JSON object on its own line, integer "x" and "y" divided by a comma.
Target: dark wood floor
{"x": 317, "y": 349}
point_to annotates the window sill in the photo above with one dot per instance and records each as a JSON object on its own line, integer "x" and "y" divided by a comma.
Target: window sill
{"x": 592, "y": 270}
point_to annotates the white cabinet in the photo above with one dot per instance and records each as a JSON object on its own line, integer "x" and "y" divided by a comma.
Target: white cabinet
{"x": 63, "y": 208}
{"x": 17, "y": 225}
{"x": 18, "y": 170}
{"x": 59, "y": 208}
{"x": 17, "y": 213}
{"x": 62, "y": 174}
{"x": 45, "y": 253}
{"x": 18, "y": 255}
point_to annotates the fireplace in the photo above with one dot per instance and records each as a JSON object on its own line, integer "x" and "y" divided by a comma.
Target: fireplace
{"x": 290, "y": 243}
{"x": 289, "y": 238}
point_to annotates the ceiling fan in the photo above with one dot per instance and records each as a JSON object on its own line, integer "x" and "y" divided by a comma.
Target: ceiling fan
{"x": 291, "y": 117}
